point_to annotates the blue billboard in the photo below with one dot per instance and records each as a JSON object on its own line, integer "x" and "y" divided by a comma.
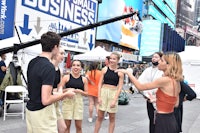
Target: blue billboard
{"x": 116, "y": 31}
{"x": 165, "y": 10}
{"x": 151, "y": 37}
{"x": 7, "y": 9}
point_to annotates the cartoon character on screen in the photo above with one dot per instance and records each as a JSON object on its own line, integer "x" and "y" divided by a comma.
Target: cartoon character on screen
{"x": 131, "y": 28}
{"x": 132, "y": 23}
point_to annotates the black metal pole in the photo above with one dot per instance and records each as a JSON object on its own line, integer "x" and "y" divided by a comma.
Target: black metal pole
{"x": 90, "y": 26}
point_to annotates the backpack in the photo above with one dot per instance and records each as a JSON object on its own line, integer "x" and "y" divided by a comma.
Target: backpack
{"x": 12, "y": 77}
{"x": 123, "y": 98}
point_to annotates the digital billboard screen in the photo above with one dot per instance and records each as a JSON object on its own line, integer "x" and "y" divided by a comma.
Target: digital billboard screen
{"x": 151, "y": 37}
{"x": 118, "y": 32}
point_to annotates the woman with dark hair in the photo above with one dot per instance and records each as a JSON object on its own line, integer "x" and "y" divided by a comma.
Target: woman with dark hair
{"x": 72, "y": 108}
{"x": 93, "y": 76}
{"x": 167, "y": 95}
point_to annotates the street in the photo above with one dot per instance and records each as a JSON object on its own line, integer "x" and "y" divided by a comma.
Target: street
{"x": 131, "y": 118}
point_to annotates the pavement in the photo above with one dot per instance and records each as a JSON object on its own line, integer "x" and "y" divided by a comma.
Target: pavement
{"x": 131, "y": 118}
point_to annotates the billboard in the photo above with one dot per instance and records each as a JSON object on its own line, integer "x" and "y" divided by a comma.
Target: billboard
{"x": 35, "y": 17}
{"x": 121, "y": 31}
{"x": 7, "y": 9}
{"x": 167, "y": 11}
{"x": 151, "y": 37}
{"x": 172, "y": 41}
{"x": 187, "y": 9}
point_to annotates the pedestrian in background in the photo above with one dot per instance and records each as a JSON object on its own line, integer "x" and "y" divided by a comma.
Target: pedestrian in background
{"x": 57, "y": 59}
{"x": 72, "y": 108}
{"x": 2, "y": 75}
{"x": 128, "y": 82}
{"x": 40, "y": 109}
{"x": 186, "y": 93}
{"x": 3, "y": 67}
{"x": 168, "y": 91}
{"x": 93, "y": 76}
{"x": 110, "y": 85}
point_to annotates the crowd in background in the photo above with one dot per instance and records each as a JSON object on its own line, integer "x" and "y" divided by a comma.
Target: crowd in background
{"x": 102, "y": 83}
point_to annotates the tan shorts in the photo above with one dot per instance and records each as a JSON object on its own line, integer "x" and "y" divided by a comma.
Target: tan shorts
{"x": 42, "y": 121}
{"x": 73, "y": 108}
{"x": 58, "y": 110}
{"x": 107, "y": 96}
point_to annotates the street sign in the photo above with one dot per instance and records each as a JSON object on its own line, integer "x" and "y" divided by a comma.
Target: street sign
{"x": 35, "y": 17}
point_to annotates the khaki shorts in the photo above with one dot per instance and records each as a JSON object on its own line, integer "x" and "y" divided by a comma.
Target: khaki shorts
{"x": 107, "y": 96}
{"x": 42, "y": 121}
{"x": 73, "y": 108}
{"x": 58, "y": 110}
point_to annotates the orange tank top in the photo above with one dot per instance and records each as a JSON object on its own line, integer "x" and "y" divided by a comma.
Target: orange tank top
{"x": 93, "y": 88}
{"x": 164, "y": 102}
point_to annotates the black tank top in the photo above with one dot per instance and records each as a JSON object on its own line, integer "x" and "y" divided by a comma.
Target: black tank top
{"x": 111, "y": 77}
{"x": 57, "y": 79}
{"x": 76, "y": 83}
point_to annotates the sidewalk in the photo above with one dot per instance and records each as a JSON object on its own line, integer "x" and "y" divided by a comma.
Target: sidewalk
{"x": 195, "y": 126}
{"x": 131, "y": 118}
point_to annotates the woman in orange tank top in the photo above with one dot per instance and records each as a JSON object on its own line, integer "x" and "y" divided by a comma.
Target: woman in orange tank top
{"x": 93, "y": 76}
{"x": 168, "y": 91}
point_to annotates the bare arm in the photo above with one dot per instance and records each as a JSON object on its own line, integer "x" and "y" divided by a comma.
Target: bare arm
{"x": 101, "y": 81}
{"x": 59, "y": 88}
{"x": 159, "y": 83}
{"x": 64, "y": 80}
{"x": 3, "y": 68}
{"x": 120, "y": 85}
{"x": 48, "y": 98}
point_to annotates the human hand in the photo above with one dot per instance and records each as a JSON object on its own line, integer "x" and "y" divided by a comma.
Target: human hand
{"x": 122, "y": 71}
{"x": 152, "y": 98}
{"x": 70, "y": 93}
{"x": 113, "y": 104}
{"x": 99, "y": 101}
{"x": 78, "y": 91}
{"x": 70, "y": 89}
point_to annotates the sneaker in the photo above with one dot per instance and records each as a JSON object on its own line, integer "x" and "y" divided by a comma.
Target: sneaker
{"x": 106, "y": 117}
{"x": 90, "y": 120}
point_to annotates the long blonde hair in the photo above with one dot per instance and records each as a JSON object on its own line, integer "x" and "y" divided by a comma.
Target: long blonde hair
{"x": 174, "y": 69}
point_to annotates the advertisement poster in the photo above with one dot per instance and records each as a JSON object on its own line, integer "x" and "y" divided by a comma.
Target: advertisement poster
{"x": 35, "y": 17}
{"x": 7, "y": 9}
{"x": 124, "y": 31}
{"x": 151, "y": 37}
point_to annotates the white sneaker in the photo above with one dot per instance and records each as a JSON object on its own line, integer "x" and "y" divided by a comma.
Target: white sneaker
{"x": 106, "y": 117}
{"x": 90, "y": 120}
